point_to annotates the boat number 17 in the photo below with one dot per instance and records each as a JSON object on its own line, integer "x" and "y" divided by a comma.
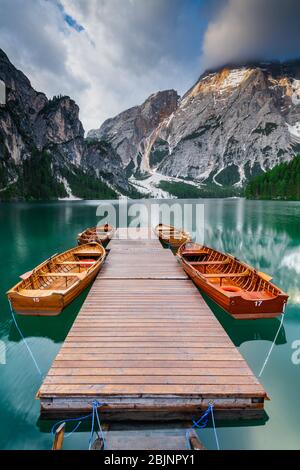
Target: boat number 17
{"x": 36, "y": 299}
{"x": 258, "y": 303}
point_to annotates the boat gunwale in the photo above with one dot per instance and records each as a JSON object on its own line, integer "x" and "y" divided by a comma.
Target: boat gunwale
{"x": 169, "y": 231}
{"x": 253, "y": 272}
{"x": 102, "y": 254}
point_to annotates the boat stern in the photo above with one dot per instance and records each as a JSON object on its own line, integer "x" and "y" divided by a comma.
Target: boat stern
{"x": 36, "y": 303}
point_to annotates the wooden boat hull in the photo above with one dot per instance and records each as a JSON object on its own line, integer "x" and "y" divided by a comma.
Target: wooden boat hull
{"x": 50, "y": 305}
{"x": 236, "y": 306}
{"x": 239, "y": 303}
{"x": 171, "y": 236}
{"x": 42, "y": 303}
{"x": 96, "y": 234}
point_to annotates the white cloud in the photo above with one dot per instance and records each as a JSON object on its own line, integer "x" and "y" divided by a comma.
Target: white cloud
{"x": 127, "y": 50}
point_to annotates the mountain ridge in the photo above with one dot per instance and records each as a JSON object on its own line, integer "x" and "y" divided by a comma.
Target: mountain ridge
{"x": 234, "y": 123}
{"x": 38, "y": 132}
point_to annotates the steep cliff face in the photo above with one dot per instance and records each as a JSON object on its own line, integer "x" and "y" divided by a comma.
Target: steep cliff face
{"x": 43, "y": 153}
{"x": 128, "y": 133}
{"x": 233, "y": 124}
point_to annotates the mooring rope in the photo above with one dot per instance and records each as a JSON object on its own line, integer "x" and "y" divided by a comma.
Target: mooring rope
{"x": 272, "y": 346}
{"x": 202, "y": 423}
{"x": 22, "y": 336}
{"x": 214, "y": 425}
{"x": 92, "y": 415}
{"x": 96, "y": 404}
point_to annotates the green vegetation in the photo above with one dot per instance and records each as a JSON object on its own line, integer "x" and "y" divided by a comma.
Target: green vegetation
{"x": 252, "y": 172}
{"x": 158, "y": 152}
{"x": 87, "y": 186}
{"x": 188, "y": 191}
{"x": 228, "y": 176}
{"x": 38, "y": 179}
{"x": 52, "y": 103}
{"x": 267, "y": 130}
{"x": 282, "y": 182}
{"x": 34, "y": 180}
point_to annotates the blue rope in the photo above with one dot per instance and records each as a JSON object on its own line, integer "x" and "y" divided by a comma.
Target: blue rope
{"x": 202, "y": 423}
{"x": 204, "y": 418}
{"x": 80, "y": 419}
{"x": 96, "y": 404}
{"x": 22, "y": 336}
{"x": 99, "y": 425}
{"x": 92, "y": 415}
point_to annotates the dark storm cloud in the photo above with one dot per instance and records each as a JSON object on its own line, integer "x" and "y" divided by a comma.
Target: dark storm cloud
{"x": 242, "y": 30}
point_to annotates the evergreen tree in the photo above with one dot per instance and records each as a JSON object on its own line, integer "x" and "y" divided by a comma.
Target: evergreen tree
{"x": 282, "y": 182}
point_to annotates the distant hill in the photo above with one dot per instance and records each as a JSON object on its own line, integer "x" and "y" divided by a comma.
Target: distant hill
{"x": 282, "y": 182}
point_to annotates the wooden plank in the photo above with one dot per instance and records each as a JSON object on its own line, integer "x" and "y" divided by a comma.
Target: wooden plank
{"x": 146, "y": 335}
{"x": 184, "y": 356}
{"x": 150, "y": 379}
{"x": 145, "y": 364}
{"x": 170, "y": 371}
{"x": 165, "y": 389}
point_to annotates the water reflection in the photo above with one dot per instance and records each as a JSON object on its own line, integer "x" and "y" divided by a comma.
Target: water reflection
{"x": 264, "y": 234}
{"x": 248, "y": 330}
{"x": 261, "y": 236}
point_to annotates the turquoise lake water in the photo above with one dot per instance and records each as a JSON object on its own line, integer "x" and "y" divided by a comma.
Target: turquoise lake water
{"x": 265, "y": 234}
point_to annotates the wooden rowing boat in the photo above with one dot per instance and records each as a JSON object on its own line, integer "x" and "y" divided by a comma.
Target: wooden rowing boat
{"x": 171, "y": 235}
{"x": 55, "y": 283}
{"x": 100, "y": 234}
{"x": 238, "y": 288}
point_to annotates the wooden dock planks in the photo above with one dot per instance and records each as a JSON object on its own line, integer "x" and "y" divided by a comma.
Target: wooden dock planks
{"x": 147, "y": 346}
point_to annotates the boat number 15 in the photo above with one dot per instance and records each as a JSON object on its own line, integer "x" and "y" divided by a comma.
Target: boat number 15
{"x": 258, "y": 303}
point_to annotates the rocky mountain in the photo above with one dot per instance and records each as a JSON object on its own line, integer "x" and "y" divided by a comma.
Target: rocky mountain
{"x": 43, "y": 153}
{"x": 234, "y": 123}
{"x": 128, "y": 133}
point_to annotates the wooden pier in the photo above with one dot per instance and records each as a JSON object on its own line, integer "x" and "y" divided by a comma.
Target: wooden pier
{"x": 147, "y": 346}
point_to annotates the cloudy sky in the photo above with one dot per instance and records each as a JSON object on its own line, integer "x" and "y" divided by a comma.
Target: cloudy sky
{"x": 109, "y": 55}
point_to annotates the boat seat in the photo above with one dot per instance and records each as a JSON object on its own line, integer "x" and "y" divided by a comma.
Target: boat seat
{"x": 59, "y": 274}
{"x": 87, "y": 253}
{"x": 194, "y": 253}
{"x": 222, "y": 276}
{"x": 34, "y": 292}
{"x": 70, "y": 263}
{"x": 40, "y": 292}
{"x": 206, "y": 263}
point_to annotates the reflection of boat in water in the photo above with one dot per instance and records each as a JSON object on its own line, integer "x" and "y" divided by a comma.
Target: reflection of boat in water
{"x": 54, "y": 328}
{"x": 241, "y": 332}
